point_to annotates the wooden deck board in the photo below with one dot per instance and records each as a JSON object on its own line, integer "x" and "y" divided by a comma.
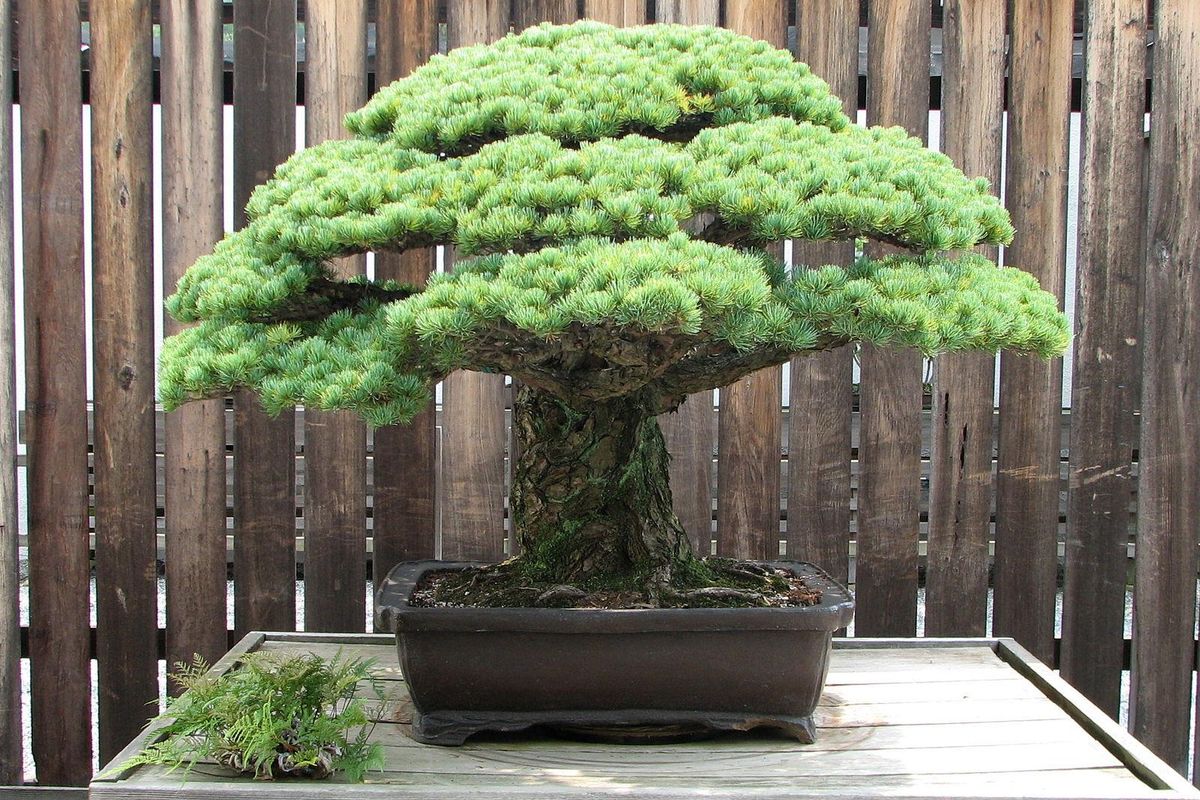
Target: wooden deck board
{"x": 942, "y": 720}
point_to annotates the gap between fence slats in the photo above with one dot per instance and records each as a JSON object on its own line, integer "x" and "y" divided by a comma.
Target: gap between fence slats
{"x": 960, "y": 480}
{"x": 1105, "y": 372}
{"x": 1039, "y": 104}
{"x": 10, "y": 649}
{"x": 264, "y": 503}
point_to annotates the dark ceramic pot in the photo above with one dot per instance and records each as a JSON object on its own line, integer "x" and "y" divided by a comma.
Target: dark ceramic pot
{"x": 505, "y": 669}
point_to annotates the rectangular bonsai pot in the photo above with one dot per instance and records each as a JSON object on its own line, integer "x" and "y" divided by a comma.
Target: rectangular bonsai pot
{"x": 505, "y": 669}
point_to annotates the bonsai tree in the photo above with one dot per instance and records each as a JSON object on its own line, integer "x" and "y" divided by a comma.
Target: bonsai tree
{"x": 609, "y": 194}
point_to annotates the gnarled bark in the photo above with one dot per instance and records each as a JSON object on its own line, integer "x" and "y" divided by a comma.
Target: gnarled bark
{"x": 591, "y": 502}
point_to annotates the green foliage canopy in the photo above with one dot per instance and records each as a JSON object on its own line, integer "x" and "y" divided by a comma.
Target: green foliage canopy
{"x": 612, "y": 190}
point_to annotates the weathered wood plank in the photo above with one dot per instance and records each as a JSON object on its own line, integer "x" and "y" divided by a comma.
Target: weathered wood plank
{"x": 527, "y": 13}
{"x": 123, "y": 342}
{"x": 749, "y": 425}
{"x": 616, "y": 12}
{"x": 818, "y": 485}
{"x": 193, "y": 436}
{"x": 11, "y": 769}
{"x": 472, "y": 496}
{"x": 688, "y": 12}
{"x": 52, "y": 217}
{"x": 689, "y": 432}
{"x": 1105, "y": 376}
{"x": 960, "y": 480}
{"x": 890, "y": 394}
{"x": 1130, "y": 752}
{"x": 405, "y": 481}
{"x": 264, "y": 131}
{"x": 1169, "y": 490}
{"x": 1039, "y": 101}
{"x": 335, "y": 442}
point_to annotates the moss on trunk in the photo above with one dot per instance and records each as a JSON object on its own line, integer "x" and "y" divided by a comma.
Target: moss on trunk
{"x": 591, "y": 500}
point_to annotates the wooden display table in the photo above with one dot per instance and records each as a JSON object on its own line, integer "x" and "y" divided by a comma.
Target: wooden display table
{"x": 907, "y": 718}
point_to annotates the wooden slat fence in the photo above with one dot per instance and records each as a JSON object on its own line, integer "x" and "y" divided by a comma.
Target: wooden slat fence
{"x": 914, "y": 479}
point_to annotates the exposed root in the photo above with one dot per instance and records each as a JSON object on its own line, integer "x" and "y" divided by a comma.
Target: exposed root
{"x": 724, "y": 594}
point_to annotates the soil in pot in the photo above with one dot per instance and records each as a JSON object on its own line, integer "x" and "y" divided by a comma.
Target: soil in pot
{"x": 721, "y": 583}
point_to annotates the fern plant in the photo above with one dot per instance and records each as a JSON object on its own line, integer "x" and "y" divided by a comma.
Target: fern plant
{"x": 270, "y": 717}
{"x": 612, "y": 197}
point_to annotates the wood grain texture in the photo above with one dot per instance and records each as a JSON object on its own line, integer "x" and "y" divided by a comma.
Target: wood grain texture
{"x": 527, "y": 13}
{"x": 11, "y": 768}
{"x": 475, "y": 22}
{"x": 474, "y": 437}
{"x": 335, "y": 442}
{"x": 193, "y": 435}
{"x": 960, "y": 474}
{"x": 404, "y": 511}
{"x": 689, "y": 432}
{"x": 1031, "y": 388}
{"x": 981, "y": 719}
{"x": 1106, "y": 373}
{"x": 264, "y": 491}
{"x": 616, "y": 12}
{"x": 750, "y": 422}
{"x": 123, "y": 346}
{"x": 1169, "y": 486}
{"x": 818, "y": 504}
{"x": 890, "y": 393}
{"x": 52, "y": 218}
{"x": 688, "y": 12}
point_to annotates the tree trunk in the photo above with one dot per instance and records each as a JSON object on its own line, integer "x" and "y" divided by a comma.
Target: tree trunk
{"x": 591, "y": 500}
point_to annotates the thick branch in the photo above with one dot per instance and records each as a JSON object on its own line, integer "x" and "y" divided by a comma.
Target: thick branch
{"x": 718, "y": 231}
{"x": 720, "y": 365}
{"x": 325, "y": 297}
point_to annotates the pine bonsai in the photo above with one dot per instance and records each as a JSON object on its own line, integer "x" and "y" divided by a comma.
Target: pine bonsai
{"x": 609, "y": 194}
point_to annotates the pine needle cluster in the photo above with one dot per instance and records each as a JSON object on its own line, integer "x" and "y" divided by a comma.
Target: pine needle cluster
{"x": 610, "y": 193}
{"x": 270, "y": 717}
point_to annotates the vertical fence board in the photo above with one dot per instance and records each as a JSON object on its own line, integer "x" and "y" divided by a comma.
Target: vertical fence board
{"x": 264, "y": 492}
{"x": 473, "y": 439}
{"x": 123, "y": 342}
{"x": 818, "y": 500}
{"x": 404, "y": 511}
{"x": 52, "y": 209}
{"x": 750, "y": 420}
{"x": 11, "y": 768}
{"x": 1039, "y": 97}
{"x": 890, "y": 395}
{"x": 193, "y": 435}
{"x": 1105, "y": 381}
{"x": 1169, "y": 485}
{"x": 688, "y": 12}
{"x": 688, "y": 432}
{"x": 526, "y": 13}
{"x": 335, "y": 442}
{"x": 616, "y": 12}
{"x": 960, "y": 480}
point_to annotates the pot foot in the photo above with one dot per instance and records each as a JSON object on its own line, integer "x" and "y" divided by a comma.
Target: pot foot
{"x": 451, "y": 728}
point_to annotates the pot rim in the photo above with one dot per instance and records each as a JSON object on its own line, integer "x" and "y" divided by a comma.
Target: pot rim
{"x": 394, "y": 614}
